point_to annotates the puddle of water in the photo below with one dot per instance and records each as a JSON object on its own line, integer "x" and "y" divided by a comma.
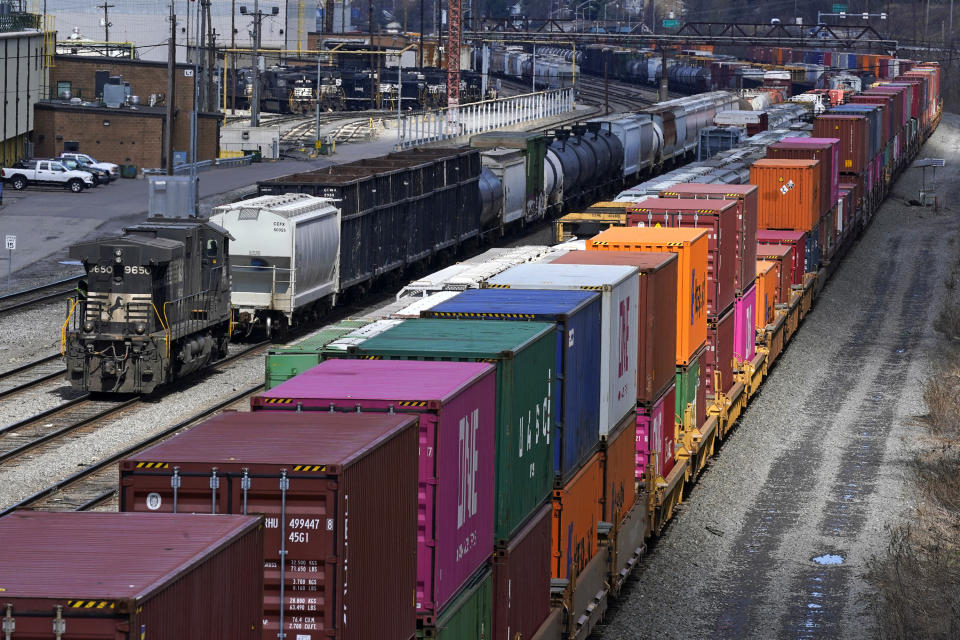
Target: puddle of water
{"x": 828, "y": 559}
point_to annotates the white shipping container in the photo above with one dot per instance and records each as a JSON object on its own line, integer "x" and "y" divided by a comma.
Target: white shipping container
{"x": 619, "y": 287}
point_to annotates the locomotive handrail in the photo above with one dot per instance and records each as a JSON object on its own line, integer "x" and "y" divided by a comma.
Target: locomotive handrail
{"x": 166, "y": 331}
{"x": 63, "y": 329}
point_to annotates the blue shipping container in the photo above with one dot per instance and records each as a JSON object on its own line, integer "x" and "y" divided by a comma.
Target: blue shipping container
{"x": 577, "y": 314}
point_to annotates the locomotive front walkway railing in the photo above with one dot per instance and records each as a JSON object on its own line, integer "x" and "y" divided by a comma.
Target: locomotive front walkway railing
{"x": 422, "y": 127}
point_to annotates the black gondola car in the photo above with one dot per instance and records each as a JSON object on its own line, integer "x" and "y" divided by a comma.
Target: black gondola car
{"x": 157, "y": 307}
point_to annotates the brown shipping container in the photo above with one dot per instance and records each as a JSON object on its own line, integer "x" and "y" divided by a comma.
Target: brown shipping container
{"x": 521, "y": 579}
{"x": 718, "y": 355}
{"x": 789, "y": 193}
{"x": 748, "y": 201}
{"x": 854, "y": 140}
{"x": 719, "y": 219}
{"x": 576, "y": 512}
{"x": 350, "y": 481}
{"x": 619, "y": 471}
{"x": 782, "y": 254}
{"x": 123, "y": 575}
{"x": 822, "y": 154}
{"x": 657, "y": 307}
{"x": 768, "y": 280}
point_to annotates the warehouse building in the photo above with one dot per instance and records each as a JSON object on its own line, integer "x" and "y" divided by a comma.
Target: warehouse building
{"x": 23, "y": 77}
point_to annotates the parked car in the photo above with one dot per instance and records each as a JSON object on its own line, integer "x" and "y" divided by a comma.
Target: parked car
{"x": 46, "y": 172}
{"x": 84, "y": 159}
{"x": 100, "y": 176}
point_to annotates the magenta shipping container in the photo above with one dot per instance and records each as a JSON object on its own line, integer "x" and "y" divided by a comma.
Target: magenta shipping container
{"x": 655, "y": 433}
{"x": 456, "y": 405}
{"x": 745, "y": 336}
{"x": 121, "y": 576}
{"x": 327, "y": 485}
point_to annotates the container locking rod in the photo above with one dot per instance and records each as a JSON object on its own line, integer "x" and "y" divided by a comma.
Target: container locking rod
{"x": 214, "y": 485}
{"x": 175, "y": 483}
{"x": 245, "y": 485}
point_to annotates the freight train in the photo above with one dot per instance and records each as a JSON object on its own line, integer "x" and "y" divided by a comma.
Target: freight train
{"x": 293, "y": 89}
{"x": 533, "y": 493}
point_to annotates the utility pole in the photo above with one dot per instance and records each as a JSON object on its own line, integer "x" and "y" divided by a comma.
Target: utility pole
{"x": 171, "y": 89}
{"x": 255, "y": 101}
{"x": 211, "y": 61}
{"x": 106, "y": 19}
{"x": 420, "y": 46}
{"x": 233, "y": 55}
{"x": 664, "y": 86}
{"x": 453, "y": 62}
{"x": 201, "y": 50}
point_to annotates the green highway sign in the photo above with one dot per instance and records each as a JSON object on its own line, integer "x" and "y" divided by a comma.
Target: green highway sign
{"x": 671, "y": 23}
{"x": 840, "y": 8}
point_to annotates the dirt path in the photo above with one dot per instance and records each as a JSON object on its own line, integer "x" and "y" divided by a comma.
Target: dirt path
{"x": 774, "y": 540}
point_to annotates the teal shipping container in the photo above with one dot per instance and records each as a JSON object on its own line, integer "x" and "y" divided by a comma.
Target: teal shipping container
{"x": 282, "y": 363}
{"x": 525, "y": 356}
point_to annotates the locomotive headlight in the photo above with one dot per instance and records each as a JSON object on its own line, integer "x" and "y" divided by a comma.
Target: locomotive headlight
{"x": 119, "y": 256}
{"x": 139, "y": 328}
{"x": 88, "y": 326}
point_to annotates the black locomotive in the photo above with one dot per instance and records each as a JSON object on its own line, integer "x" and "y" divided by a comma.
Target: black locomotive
{"x": 157, "y": 306}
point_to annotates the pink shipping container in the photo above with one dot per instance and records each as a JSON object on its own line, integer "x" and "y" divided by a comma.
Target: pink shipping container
{"x": 796, "y": 239}
{"x": 521, "y": 579}
{"x": 456, "y": 404}
{"x": 111, "y": 576}
{"x": 655, "y": 433}
{"x": 745, "y": 327}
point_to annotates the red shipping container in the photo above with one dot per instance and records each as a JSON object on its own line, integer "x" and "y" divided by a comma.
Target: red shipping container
{"x": 120, "y": 575}
{"x": 657, "y": 309}
{"x": 784, "y": 255}
{"x": 719, "y": 353}
{"x": 456, "y": 406}
{"x": 576, "y": 512}
{"x": 719, "y": 218}
{"x": 655, "y": 433}
{"x": 796, "y": 239}
{"x": 347, "y": 473}
{"x": 619, "y": 459}
{"x": 825, "y": 151}
{"x": 521, "y": 579}
{"x": 888, "y": 115}
{"x": 748, "y": 201}
{"x": 854, "y": 138}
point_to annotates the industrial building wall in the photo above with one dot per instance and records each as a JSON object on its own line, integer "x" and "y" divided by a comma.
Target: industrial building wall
{"x": 21, "y": 66}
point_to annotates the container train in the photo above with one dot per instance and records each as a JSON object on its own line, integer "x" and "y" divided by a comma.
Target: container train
{"x": 534, "y": 498}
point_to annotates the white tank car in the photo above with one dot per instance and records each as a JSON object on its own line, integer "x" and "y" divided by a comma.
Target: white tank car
{"x": 283, "y": 259}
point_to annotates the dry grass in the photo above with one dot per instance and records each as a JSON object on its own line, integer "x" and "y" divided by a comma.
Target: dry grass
{"x": 917, "y": 579}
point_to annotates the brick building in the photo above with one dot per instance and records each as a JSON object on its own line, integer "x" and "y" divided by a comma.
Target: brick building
{"x": 124, "y": 136}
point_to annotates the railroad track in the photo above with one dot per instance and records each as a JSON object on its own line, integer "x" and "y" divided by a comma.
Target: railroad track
{"x": 45, "y": 432}
{"x": 30, "y": 375}
{"x": 36, "y": 295}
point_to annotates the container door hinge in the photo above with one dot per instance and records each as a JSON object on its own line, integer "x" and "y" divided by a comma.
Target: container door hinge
{"x": 59, "y": 624}
{"x": 9, "y": 623}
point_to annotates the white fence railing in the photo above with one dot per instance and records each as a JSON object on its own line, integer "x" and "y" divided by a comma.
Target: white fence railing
{"x": 432, "y": 126}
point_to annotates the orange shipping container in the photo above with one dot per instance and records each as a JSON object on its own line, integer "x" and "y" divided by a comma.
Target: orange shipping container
{"x": 690, "y": 245}
{"x": 576, "y": 512}
{"x": 619, "y": 471}
{"x": 767, "y": 283}
{"x": 789, "y": 193}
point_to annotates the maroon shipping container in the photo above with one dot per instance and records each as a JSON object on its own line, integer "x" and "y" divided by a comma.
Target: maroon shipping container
{"x": 784, "y": 254}
{"x": 887, "y": 111}
{"x": 720, "y": 219}
{"x": 657, "y": 308}
{"x": 824, "y": 152}
{"x": 748, "y": 212}
{"x": 797, "y": 240}
{"x": 348, "y": 477}
{"x": 455, "y": 403}
{"x": 853, "y": 132}
{"x": 107, "y": 576}
{"x": 719, "y": 353}
{"x": 521, "y": 579}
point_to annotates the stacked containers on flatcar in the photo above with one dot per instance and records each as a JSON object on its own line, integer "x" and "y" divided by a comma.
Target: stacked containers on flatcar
{"x": 455, "y": 403}
{"x": 107, "y": 575}
{"x": 691, "y": 247}
{"x": 327, "y": 484}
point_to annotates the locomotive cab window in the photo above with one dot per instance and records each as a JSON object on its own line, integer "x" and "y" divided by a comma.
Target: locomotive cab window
{"x": 213, "y": 248}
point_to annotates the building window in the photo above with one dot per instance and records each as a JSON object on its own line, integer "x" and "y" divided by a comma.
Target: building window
{"x": 64, "y": 89}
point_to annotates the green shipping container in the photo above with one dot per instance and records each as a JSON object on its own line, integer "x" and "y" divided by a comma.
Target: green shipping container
{"x": 688, "y": 386}
{"x": 469, "y": 616}
{"x": 525, "y": 355}
{"x": 283, "y": 363}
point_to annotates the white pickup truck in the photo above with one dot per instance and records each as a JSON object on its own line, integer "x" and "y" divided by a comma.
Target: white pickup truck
{"x": 45, "y": 172}
{"x": 84, "y": 159}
